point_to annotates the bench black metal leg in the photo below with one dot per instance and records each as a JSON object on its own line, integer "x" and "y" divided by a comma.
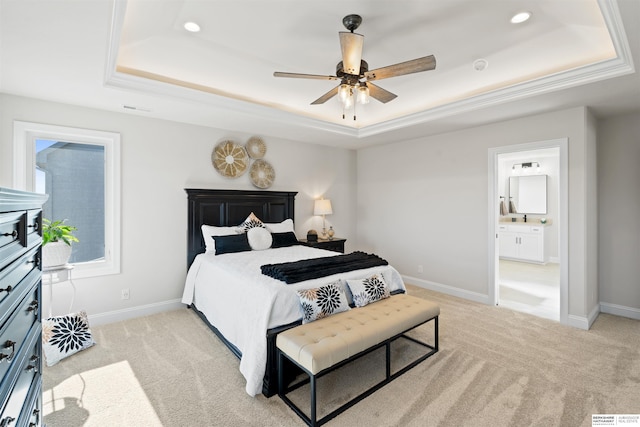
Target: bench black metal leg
{"x": 436, "y": 333}
{"x": 280, "y": 374}
{"x": 313, "y": 415}
{"x": 388, "y": 359}
{"x": 283, "y": 389}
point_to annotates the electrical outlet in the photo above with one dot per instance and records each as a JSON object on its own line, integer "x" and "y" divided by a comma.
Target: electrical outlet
{"x": 125, "y": 293}
{"x": 420, "y": 269}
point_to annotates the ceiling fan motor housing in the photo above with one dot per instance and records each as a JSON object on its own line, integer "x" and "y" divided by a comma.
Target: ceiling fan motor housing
{"x": 351, "y": 78}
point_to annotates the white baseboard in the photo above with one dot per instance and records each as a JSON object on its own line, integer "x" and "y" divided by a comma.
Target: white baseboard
{"x": 133, "y": 312}
{"x": 579, "y": 322}
{"x": 620, "y": 310}
{"x": 594, "y": 315}
{"x": 446, "y": 289}
{"x": 582, "y": 322}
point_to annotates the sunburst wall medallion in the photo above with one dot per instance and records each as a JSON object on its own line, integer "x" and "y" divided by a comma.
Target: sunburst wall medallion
{"x": 230, "y": 159}
{"x": 262, "y": 174}
{"x": 256, "y": 148}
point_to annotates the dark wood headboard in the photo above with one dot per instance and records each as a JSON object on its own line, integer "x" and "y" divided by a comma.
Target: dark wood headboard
{"x": 225, "y": 208}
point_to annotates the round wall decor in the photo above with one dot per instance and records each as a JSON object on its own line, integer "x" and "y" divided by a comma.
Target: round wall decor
{"x": 230, "y": 159}
{"x": 256, "y": 147}
{"x": 262, "y": 174}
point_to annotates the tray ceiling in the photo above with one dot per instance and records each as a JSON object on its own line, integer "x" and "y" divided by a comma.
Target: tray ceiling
{"x": 224, "y": 72}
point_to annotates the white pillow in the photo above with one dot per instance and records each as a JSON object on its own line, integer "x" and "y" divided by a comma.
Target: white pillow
{"x": 65, "y": 335}
{"x": 366, "y": 291}
{"x": 259, "y": 238}
{"x": 208, "y": 231}
{"x": 323, "y": 301}
{"x": 281, "y": 227}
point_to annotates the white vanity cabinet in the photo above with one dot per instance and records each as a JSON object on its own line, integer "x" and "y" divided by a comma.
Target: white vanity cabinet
{"x": 522, "y": 242}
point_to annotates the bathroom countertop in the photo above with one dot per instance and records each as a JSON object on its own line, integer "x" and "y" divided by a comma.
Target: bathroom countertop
{"x": 519, "y": 221}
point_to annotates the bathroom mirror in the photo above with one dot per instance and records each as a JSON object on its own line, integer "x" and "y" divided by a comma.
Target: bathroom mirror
{"x": 529, "y": 194}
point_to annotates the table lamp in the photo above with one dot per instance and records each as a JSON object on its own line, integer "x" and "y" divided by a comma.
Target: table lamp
{"x": 323, "y": 207}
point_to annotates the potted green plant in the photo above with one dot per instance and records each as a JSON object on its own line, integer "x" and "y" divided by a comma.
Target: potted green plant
{"x": 56, "y": 242}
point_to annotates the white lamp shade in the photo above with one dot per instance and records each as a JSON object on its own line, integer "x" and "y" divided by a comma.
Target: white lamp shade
{"x": 322, "y": 207}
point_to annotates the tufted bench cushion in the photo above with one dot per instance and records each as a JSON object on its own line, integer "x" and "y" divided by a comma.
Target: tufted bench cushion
{"x": 319, "y": 345}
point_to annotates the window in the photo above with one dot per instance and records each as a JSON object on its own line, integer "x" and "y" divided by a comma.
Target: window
{"x": 80, "y": 171}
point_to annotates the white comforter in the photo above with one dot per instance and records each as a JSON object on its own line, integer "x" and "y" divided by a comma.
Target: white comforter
{"x": 243, "y": 303}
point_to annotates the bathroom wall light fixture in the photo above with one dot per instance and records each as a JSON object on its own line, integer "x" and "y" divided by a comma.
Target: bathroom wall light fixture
{"x": 525, "y": 167}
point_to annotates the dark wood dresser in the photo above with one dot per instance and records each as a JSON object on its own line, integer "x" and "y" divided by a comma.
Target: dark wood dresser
{"x": 20, "y": 312}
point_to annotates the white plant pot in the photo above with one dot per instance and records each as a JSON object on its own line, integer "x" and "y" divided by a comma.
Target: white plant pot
{"x": 55, "y": 254}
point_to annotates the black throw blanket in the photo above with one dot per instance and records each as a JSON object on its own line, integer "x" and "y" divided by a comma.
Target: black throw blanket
{"x": 307, "y": 269}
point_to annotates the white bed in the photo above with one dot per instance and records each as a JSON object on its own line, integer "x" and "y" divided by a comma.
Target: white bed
{"x": 243, "y": 304}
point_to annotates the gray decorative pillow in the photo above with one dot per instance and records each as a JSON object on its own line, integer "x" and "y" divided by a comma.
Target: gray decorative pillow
{"x": 249, "y": 223}
{"x": 63, "y": 336}
{"x": 366, "y": 291}
{"x": 322, "y": 302}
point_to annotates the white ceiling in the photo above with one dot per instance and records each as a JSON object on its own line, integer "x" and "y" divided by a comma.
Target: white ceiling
{"x": 135, "y": 57}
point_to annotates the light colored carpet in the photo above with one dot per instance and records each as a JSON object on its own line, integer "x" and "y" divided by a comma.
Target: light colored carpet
{"x": 496, "y": 367}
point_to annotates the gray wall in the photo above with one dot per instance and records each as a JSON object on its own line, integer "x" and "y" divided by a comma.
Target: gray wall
{"x": 619, "y": 214}
{"x": 159, "y": 159}
{"x": 419, "y": 202}
{"x": 428, "y": 205}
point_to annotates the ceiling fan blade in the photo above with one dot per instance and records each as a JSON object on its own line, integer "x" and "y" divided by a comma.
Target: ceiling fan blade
{"x": 351, "y": 45}
{"x": 414, "y": 66}
{"x": 304, "y": 76}
{"x": 380, "y": 94}
{"x": 327, "y": 96}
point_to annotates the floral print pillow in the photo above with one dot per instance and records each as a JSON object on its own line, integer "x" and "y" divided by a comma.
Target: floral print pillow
{"x": 252, "y": 221}
{"x": 366, "y": 291}
{"x": 322, "y": 302}
{"x": 63, "y": 336}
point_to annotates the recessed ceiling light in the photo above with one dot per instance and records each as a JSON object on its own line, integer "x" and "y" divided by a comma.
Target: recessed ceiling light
{"x": 191, "y": 27}
{"x": 480, "y": 64}
{"x": 520, "y": 17}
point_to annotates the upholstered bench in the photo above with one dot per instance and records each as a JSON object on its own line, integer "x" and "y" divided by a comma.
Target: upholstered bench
{"x": 326, "y": 344}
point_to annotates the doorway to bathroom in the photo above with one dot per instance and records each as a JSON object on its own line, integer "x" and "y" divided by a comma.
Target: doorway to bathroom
{"x": 528, "y": 256}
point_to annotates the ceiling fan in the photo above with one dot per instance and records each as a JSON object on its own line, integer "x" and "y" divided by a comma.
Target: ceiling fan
{"x": 354, "y": 74}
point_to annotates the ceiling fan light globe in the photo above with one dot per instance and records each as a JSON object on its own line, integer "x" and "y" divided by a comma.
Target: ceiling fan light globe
{"x": 363, "y": 94}
{"x": 348, "y": 103}
{"x": 344, "y": 92}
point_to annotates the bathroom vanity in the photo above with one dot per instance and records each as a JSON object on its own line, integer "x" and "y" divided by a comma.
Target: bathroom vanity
{"x": 522, "y": 242}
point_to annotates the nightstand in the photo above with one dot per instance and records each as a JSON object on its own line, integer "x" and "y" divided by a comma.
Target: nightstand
{"x": 336, "y": 245}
